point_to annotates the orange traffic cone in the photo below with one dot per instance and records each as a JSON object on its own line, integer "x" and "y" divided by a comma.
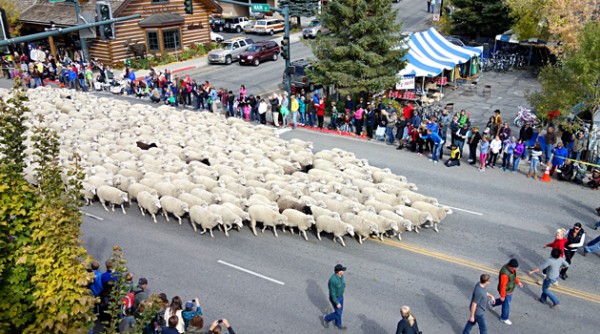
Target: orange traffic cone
{"x": 546, "y": 177}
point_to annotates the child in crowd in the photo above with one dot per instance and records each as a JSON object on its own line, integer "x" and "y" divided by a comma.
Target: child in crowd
{"x": 484, "y": 148}
{"x": 454, "y": 157}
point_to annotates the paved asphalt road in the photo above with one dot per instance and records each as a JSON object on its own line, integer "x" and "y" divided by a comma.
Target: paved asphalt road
{"x": 267, "y": 76}
{"x": 432, "y": 272}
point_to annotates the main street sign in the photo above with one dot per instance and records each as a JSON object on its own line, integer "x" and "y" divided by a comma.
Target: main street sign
{"x": 260, "y": 7}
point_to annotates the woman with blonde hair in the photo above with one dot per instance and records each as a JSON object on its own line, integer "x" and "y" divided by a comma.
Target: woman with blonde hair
{"x": 408, "y": 324}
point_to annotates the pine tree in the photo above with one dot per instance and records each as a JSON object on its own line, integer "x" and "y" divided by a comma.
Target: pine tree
{"x": 363, "y": 53}
{"x": 477, "y": 18}
{"x": 300, "y": 8}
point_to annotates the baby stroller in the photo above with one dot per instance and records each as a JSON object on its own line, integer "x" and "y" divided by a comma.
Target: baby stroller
{"x": 118, "y": 88}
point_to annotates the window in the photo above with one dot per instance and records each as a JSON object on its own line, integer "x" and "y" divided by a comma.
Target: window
{"x": 153, "y": 45}
{"x": 171, "y": 39}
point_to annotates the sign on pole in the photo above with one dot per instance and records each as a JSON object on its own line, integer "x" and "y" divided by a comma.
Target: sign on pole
{"x": 406, "y": 82}
{"x": 86, "y": 18}
{"x": 260, "y": 7}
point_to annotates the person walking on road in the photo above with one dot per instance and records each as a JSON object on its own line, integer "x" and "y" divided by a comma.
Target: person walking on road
{"x": 592, "y": 246}
{"x": 337, "y": 285}
{"x": 552, "y": 267}
{"x": 507, "y": 281}
{"x": 477, "y": 306}
{"x": 408, "y": 324}
{"x": 575, "y": 238}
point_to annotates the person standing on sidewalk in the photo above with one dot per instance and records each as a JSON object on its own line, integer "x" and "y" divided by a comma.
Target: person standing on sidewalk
{"x": 336, "y": 285}
{"x": 575, "y": 239}
{"x": 437, "y": 144}
{"x": 507, "y": 281}
{"x": 552, "y": 267}
{"x": 477, "y": 306}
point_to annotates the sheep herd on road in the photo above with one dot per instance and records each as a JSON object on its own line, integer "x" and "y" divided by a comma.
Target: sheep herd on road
{"x": 223, "y": 173}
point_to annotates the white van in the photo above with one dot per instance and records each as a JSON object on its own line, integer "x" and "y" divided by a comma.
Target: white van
{"x": 269, "y": 26}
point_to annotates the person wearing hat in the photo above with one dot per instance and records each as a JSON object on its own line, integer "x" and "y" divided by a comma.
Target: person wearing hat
{"x": 140, "y": 293}
{"x": 192, "y": 309}
{"x": 454, "y": 157}
{"x": 551, "y": 267}
{"x": 337, "y": 285}
{"x": 575, "y": 238}
{"x": 506, "y": 285}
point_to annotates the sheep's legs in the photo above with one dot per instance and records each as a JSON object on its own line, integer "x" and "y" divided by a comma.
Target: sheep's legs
{"x": 141, "y": 209}
{"x": 319, "y": 235}
{"x": 179, "y": 220}
{"x": 123, "y": 208}
{"x": 359, "y": 239}
{"x": 112, "y": 207}
{"x": 435, "y": 227}
{"x": 194, "y": 226}
{"x": 303, "y": 232}
{"x": 253, "y": 226}
{"x": 275, "y": 231}
{"x": 104, "y": 205}
{"x": 154, "y": 218}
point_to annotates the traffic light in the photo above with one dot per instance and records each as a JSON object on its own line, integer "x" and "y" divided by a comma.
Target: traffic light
{"x": 188, "y": 6}
{"x": 104, "y": 12}
{"x": 285, "y": 48}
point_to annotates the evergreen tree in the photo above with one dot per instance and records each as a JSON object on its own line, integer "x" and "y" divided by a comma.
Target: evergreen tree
{"x": 477, "y": 18}
{"x": 300, "y": 8}
{"x": 363, "y": 53}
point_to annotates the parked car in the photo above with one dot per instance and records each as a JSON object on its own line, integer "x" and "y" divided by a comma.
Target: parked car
{"x": 249, "y": 27}
{"x": 269, "y": 26}
{"x": 259, "y": 52}
{"x": 217, "y": 24}
{"x": 216, "y": 37}
{"x": 236, "y": 23}
{"x": 297, "y": 70}
{"x": 314, "y": 29}
{"x": 231, "y": 51}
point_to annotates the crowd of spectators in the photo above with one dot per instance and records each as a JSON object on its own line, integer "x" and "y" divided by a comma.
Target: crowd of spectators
{"x": 173, "y": 317}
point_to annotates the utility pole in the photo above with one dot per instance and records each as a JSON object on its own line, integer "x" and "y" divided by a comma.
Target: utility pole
{"x": 81, "y": 39}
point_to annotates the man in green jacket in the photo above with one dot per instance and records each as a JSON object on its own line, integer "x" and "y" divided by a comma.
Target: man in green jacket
{"x": 337, "y": 285}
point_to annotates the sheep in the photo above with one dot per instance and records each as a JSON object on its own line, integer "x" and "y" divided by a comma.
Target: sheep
{"x": 318, "y": 211}
{"x": 89, "y": 192}
{"x": 230, "y": 219}
{"x": 192, "y": 200}
{"x": 206, "y": 196}
{"x": 437, "y": 213}
{"x": 414, "y": 197}
{"x": 267, "y": 216}
{"x": 418, "y": 218}
{"x": 288, "y": 202}
{"x": 379, "y": 206}
{"x": 167, "y": 189}
{"x": 335, "y": 226}
{"x": 206, "y": 219}
{"x": 206, "y": 181}
{"x": 237, "y": 210}
{"x": 341, "y": 206}
{"x": 401, "y": 221}
{"x": 389, "y": 199}
{"x": 174, "y": 206}
{"x": 135, "y": 188}
{"x": 300, "y": 220}
{"x": 362, "y": 228}
{"x": 185, "y": 184}
{"x": 383, "y": 224}
{"x": 113, "y": 196}
{"x": 149, "y": 202}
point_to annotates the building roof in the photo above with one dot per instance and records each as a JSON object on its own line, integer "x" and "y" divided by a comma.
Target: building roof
{"x": 62, "y": 14}
{"x": 161, "y": 20}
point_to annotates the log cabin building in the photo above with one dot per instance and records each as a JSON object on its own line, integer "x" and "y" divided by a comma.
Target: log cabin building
{"x": 164, "y": 27}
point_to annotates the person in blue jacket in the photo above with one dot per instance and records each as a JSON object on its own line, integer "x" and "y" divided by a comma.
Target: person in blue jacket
{"x": 437, "y": 144}
{"x": 560, "y": 154}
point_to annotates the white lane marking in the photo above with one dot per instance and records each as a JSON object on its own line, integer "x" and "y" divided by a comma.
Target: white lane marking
{"x": 93, "y": 216}
{"x": 251, "y": 272}
{"x": 464, "y": 210}
{"x": 282, "y": 131}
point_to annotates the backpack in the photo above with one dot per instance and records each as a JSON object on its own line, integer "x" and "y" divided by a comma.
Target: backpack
{"x": 128, "y": 302}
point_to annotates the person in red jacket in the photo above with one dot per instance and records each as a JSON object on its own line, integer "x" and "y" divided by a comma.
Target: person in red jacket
{"x": 507, "y": 281}
{"x": 559, "y": 241}
{"x": 320, "y": 108}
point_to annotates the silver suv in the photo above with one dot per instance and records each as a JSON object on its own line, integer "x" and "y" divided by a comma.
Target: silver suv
{"x": 232, "y": 48}
{"x": 314, "y": 29}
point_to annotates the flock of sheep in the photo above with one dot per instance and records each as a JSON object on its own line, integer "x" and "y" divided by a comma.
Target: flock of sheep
{"x": 223, "y": 173}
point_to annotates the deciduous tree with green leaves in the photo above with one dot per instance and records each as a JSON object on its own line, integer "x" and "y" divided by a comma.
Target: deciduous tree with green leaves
{"x": 574, "y": 79}
{"x": 364, "y": 51}
{"x": 478, "y": 18}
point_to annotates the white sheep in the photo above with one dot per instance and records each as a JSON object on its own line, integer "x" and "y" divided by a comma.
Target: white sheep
{"x": 437, "y": 213}
{"x": 206, "y": 219}
{"x": 89, "y": 192}
{"x": 113, "y": 195}
{"x": 175, "y": 206}
{"x": 341, "y": 206}
{"x": 167, "y": 189}
{"x": 416, "y": 197}
{"x": 206, "y": 196}
{"x": 383, "y": 224}
{"x": 418, "y": 218}
{"x": 318, "y": 211}
{"x": 267, "y": 216}
{"x": 237, "y": 210}
{"x": 362, "y": 227}
{"x": 192, "y": 200}
{"x": 401, "y": 221}
{"x": 135, "y": 188}
{"x": 230, "y": 219}
{"x": 300, "y": 220}
{"x": 334, "y": 226}
{"x": 149, "y": 202}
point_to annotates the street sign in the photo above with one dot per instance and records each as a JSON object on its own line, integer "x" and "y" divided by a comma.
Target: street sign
{"x": 260, "y": 7}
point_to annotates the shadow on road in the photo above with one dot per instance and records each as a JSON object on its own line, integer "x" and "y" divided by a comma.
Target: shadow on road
{"x": 441, "y": 309}
{"x": 316, "y": 295}
{"x": 464, "y": 285}
{"x": 370, "y": 326}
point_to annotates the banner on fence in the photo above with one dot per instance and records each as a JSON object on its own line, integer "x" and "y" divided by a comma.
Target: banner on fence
{"x": 406, "y": 82}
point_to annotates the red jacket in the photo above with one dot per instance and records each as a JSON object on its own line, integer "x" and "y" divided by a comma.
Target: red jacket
{"x": 503, "y": 282}
{"x": 560, "y": 244}
{"x": 320, "y": 109}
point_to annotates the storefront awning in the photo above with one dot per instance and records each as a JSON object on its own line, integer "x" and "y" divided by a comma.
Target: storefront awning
{"x": 161, "y": 20}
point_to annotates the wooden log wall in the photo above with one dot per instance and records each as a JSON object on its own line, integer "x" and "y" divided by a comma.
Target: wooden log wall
{"x": 196, "y": 28}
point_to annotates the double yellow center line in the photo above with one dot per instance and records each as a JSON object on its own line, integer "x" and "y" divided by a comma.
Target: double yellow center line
{"x": 489, "y": 270}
